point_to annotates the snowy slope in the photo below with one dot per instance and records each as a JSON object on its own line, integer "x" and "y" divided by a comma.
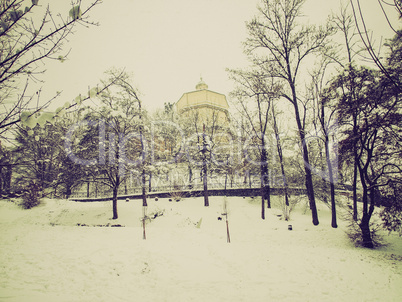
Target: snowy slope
{"x": 46, "y": 256}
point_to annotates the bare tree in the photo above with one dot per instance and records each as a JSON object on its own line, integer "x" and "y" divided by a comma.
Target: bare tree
{"x": 114, "y": 132}
{"x": 378, "y": 138}
{"x": 345, "y": 23}
{"x": 325, "y": 117}
{"x": 205, "y": 150}
{"x": 255, "y": 93}
{"x": 282, "y": 46}
{"x": 25, "y": 42}
{"x": 367, "y": 39}
{"x": 286, "y": 209}
{"x": 206, "y": 131}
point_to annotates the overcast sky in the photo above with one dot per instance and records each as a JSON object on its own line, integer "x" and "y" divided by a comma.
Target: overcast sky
{"x": 167, "y": 44}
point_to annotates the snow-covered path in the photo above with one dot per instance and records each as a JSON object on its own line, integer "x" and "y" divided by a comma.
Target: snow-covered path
{"x": 45, "y": 256}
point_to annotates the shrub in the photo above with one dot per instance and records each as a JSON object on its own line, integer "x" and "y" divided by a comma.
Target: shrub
{"x": 392, "y": 219}
{"x": 30, "y": 198}
{"x": 391, "y": 214}
{"x": 286, "y": 210}
{"x": 177, "y": 192}
{"x": 355, "y": 233}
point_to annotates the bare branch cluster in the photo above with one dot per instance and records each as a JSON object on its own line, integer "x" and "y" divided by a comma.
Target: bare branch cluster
{"x": 26, "y": 42}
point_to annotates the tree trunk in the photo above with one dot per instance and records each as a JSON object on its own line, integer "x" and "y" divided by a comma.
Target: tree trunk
{"x": 205, "y": 168}
{"x": 205, "y": 183}
{"x": 144, "y": 191}
{"x": 115, "y": 215}
{"x": 334, "y": 223}
{"x": 280, "y": 154}
{"x": 1, "y": 181}
{"x": 143, "y": 178}
{"x": 245, "y": 178}
{"x": 226, "y": 179}
{"x": 329, "y": 165}
{"x": 267, "y": 192}
{"x": 366, "y": 233}
{"x": 368, "y": 241}
{"x": 262, "y": 203}
{"x": 190, "y": 177}
{"x": 7, "y": 179}
{"x": 68, "y": 191}
{"x": 310, "y": 187}
{"x": 355, "y": 168}
{"x": 367, "y": 212}
{"x": 265, "y": 185}
{"x": 307, "y": 166}
{"x": 355, "y": 160}
{"x": 144, "y": 218}
{"x": 354, "y": 189}
{"x": 331, "y": 181}
{"x": 265, "y": 189}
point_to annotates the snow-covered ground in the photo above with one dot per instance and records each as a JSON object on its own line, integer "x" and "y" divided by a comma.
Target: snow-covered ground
{"x": 60, "y": 252}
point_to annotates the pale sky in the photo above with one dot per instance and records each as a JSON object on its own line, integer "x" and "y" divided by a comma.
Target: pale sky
{"x": 167, "y": 44}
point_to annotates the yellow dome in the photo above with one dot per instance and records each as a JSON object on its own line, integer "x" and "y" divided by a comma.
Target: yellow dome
{"x": 201, "y": 85}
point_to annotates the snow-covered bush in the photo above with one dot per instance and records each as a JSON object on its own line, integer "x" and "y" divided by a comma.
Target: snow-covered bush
{"x": 355, "y": 233}
{"x": 31, "y": 198}
{"x": 391, "y": 214}
{"x": 287, "y": 209}
{"x": 392, "y": 219}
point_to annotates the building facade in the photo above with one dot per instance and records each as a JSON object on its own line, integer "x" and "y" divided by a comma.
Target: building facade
{"x": 208, "y": 107}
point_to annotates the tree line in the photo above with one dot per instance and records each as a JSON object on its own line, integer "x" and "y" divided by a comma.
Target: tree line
{"x": 306, "y": 100}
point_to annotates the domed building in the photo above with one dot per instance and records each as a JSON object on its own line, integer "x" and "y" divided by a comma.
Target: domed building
{"x": 208, "y": 106}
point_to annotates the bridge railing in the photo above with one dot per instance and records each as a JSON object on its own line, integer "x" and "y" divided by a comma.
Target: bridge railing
{"x": 166, "y": 188}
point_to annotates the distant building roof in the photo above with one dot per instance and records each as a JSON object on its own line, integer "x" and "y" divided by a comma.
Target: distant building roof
{"x": 202, "y": 97}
